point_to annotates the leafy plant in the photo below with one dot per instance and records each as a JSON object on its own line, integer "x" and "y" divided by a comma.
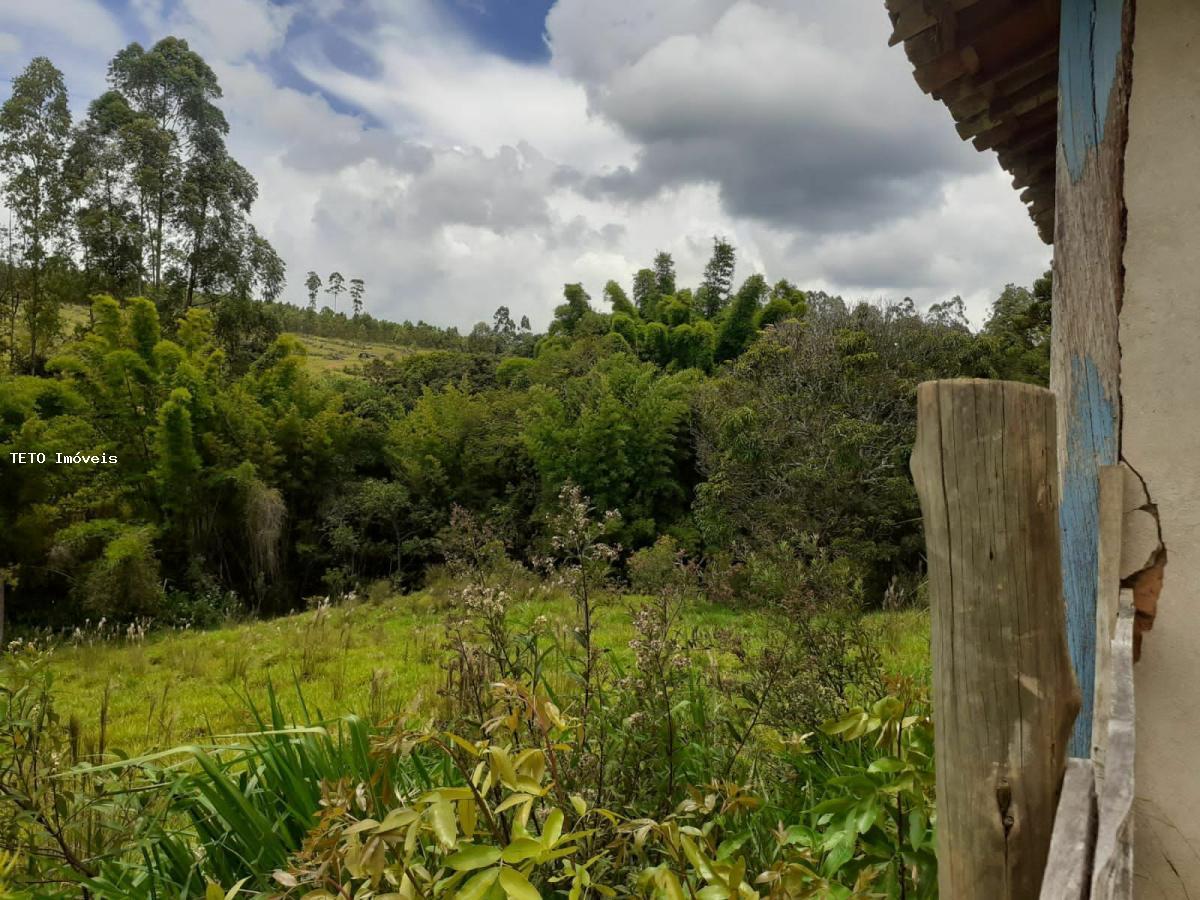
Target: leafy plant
{"x": 875, "y": 832}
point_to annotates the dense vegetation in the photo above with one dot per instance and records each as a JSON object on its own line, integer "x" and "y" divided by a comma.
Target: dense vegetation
{"x": 732, "y": 444}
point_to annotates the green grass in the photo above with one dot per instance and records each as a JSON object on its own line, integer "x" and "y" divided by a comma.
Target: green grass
{"x": 377, "y": 660}
{"x": 325, "y": 355}
{"x": 339, "y": 355}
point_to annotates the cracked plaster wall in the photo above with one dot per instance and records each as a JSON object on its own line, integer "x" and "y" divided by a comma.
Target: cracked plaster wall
{"x": 1160, "y": 438}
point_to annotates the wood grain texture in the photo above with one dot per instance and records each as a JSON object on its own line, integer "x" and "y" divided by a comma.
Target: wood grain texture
{"x": 1088, "y": 289}
{"x": 1112, "y": 877}
{"x": 985, "y": 466}
{"x": 1069, "y": 866}
{"x": 1112, "y": 514}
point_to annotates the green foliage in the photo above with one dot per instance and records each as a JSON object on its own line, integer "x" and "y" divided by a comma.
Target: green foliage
{"x": 619, "y": 301}
{"x": 830, "y": 464}
{"x": 1016, "y": 339}
{"x": 664, "y": 274}
{"x": 576, "y": 315}
{"x": 615, "y": 432}
{"x": 646, "y": 293}
{"x": 34, "y": 125}
{"x": 642, "y": 776}
{"x": 693, "y": 346}
{"x": 718, "y": 278}
{"x": 738, "y": 326}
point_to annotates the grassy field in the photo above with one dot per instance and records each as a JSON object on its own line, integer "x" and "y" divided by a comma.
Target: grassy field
{"x": 373, "y": 659}
{"x": 338, "y": 355}
{"x": 324, "y": 354}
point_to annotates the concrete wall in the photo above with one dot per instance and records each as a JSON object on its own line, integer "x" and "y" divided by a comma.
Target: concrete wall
{"x": 1160, "y": 437}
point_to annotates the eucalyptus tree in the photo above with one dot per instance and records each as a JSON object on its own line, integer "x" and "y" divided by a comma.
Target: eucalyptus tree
{"x": 35, "y": 123}
{"x": 106, "y": 214}
{"x": 312, "y": 283}
{"x": 334, "y": 285}
{"x": 152, "y": 160}
{"x": 357, "y": 289}
{"x": 172, "y": 93}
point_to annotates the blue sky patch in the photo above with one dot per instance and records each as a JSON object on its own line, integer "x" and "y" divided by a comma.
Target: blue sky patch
{"x": 511, "y": 28}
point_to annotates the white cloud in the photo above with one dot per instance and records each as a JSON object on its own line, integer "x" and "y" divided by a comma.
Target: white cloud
{"x": 83, "y": 23}
{"x": 449, "y": 93}
{"x": 228, "y": 30}
{"x": 468, "y": 181}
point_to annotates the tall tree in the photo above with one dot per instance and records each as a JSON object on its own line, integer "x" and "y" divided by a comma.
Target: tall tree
{"x": 503, "y": 324}
{"x": 569, "y": 315}
{"x": 214, "y": 203}
{"x": 617, "y": 298}
{"x": 718, "y": 277}
{"x": 357, "y": 289}
{"x": 664, "y": 274}
{"x": 334, "y": 285}
{"x": 35, "y": 123}
{"x": 152, "y": 161}
{"x": 737, "y": 331}
{"x": 312, "y": 284}
{"x": 10, "y": 290}
{"x": 1016, "y": 339}
{"x": 106, "y": 214}
{"x": 172, "y": 92}
{"x": 645, "y": 292}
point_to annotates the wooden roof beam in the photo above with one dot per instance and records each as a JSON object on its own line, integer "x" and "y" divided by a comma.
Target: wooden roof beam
{"x": 1006, "y": 109}
{"x": 912, "y": 17}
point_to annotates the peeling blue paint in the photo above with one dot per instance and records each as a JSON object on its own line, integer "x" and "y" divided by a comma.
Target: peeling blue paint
{"x": 1089, "y": 48}
{"x": 1091, "y": 443}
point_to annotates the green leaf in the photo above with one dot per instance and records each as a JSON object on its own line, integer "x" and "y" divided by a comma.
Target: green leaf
{"x": 441, "y": 817}
{"x": 469, "y": 858}
{"x": 552, "y": 830}
{"x": 479, "y": 885}
{"x": 522, "y": 849}
{"x": 517, "y": 885}
{"x": 731, "y": 845}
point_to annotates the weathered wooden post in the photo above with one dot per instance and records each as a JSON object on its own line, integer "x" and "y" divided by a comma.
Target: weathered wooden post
{"x": 985, "y": 466}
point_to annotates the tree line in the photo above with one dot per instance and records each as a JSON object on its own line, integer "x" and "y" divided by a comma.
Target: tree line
{"x": 258, "y": 487}
{"x": 760, "y": 429}
{"x": 140, "y": 198}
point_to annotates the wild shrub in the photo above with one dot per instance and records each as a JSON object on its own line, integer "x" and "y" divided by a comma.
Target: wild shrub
{"x": 60, "y": 818}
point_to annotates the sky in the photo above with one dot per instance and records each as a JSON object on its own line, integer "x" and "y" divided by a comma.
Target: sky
{"x": 459, "y": 155}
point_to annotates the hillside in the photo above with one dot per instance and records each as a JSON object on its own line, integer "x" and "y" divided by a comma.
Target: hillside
{"x": 324, "y": 354}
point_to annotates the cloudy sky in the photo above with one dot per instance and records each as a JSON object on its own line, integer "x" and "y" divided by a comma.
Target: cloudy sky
{"x": 463, "y": 154}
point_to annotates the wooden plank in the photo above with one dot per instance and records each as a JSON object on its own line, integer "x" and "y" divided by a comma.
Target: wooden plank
{"x": 913, "y": 18}
{"x": 1088, "y": 287}
{"x": 946, "y": 68}
{"x": 1004, "y": 694}
{"x": 1039, "y": 59}
{"x": 1112, "y": 877}
{"x": 1112, "y": 509}
{"x": 1032, "y": 122}
{"x": 1069, "y": 866}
